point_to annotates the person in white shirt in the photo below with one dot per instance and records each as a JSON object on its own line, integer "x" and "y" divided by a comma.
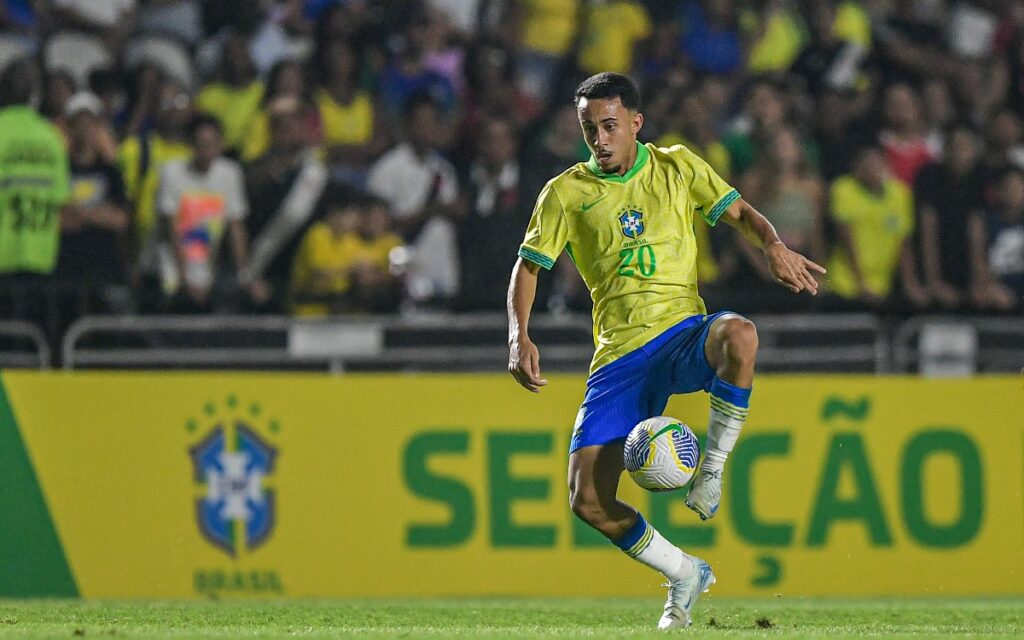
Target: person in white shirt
{"x": 200, "y": 201}
{"x": 422, "y": 191}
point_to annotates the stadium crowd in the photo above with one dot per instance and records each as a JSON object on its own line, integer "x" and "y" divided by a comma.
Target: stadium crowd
{"x": 376, "y": 156}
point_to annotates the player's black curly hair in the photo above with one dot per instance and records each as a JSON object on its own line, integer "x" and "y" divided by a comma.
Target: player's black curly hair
{"x": 609, "y": 85}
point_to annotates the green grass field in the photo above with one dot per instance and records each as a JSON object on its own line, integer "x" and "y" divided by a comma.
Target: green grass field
{"x": 511, "y": 618}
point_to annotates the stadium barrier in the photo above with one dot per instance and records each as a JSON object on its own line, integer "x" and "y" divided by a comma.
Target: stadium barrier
{"x": 183, "y": 485}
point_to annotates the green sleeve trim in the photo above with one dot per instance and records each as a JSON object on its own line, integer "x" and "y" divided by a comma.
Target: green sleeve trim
{"x": 536, "y": 257}
{"x": 720, "y": 206}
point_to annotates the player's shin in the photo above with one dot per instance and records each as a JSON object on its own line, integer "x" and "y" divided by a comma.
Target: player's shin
{"x": 643, "y": 543}
{"x": 729, "y": 407}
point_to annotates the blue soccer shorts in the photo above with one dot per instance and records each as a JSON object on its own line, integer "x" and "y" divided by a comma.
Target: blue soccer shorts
{"x": 637, "y": 385}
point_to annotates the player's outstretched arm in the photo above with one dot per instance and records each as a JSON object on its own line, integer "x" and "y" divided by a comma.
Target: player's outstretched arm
{"x": 789, "y": 268}
{"x": 523, "y": 356}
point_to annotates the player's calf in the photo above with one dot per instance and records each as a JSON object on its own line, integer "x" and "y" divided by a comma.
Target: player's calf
{"x": 732, "y": 349}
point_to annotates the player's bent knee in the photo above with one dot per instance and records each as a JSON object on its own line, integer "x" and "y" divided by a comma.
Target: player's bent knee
{"x": 740, "y": 338}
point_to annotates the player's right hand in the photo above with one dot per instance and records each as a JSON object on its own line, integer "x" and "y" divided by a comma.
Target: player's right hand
{"x": 524, "y": 365}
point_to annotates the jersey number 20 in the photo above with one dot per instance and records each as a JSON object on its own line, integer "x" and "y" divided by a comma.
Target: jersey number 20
{"x": 645, "y": 261}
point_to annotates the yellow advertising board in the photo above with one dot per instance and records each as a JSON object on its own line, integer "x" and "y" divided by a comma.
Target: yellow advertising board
{"x": 215, "y": 485}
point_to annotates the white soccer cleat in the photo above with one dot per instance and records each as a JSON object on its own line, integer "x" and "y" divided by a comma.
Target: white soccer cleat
{"x": 683, "y": 594}
{"x": 705, "y": 493}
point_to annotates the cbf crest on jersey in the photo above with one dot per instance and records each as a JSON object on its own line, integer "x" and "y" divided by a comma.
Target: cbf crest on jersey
{"x": 233, "y": 465}
{"x": 632, "y": 224}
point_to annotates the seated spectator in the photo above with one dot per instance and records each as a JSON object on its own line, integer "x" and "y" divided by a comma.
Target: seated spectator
{"x": 200, "y": 200}
{"x": 791, "y": 196}
{"x": 422, "y": 190}
{"x": 711, "y": 38}
{"x": 352, "y": 135}
{"x": 498, "y": 211}
{"x": 873, "y": 214}
{"x": 997, "y": 246}
{"x": 547, "y": 32}
{"x": 903, "y": 137}
{"x": 408, "y": 76}
{"x": 94, "y": 224}
{"x": 285, "y": 186}
{"x": 286, "y": 79}
{"x": 780, "y": 37}
{"x": 236, "y": 97}
{"x": 828, "y": 61}
{"x": 611, "y": 32}
{"x": 947, "y": 193}
{"x": 141, "y": 158}
{"x": 343, "y": 264}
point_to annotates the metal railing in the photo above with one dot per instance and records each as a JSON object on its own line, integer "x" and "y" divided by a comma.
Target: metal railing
{"x": 996, "y": 344}
{"x": 25, "y": 346}
{"x": 428, "y": 342}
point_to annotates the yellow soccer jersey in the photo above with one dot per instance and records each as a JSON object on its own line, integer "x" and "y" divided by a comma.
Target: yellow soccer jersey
{"x": 631, "y": 238}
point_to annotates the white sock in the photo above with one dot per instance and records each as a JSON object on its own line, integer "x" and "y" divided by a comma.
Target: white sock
{"x": 723, "y": 431}
{"x": 653, "y": 550}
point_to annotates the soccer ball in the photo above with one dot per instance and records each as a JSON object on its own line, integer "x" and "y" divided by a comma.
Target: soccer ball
{"x": 661, "y": 454}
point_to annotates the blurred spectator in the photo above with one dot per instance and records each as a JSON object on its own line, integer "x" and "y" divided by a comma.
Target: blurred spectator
{"x": 548, "y": 33}
{"x": 611, "y": 31}
{"x": 352, "y": 135}
{"x": 284, "y": 186}
{"x": 910, "y": 36}
{"x": 199, "y": 201}
{"x": 765, "y": 111}
{"x": 828, "y": 60}
{"x": 343, "y": 263}
{"x": 60, "y": 86}
{"x": 838, "y": 132}
{"x": 997, "y": 246}
{"x": 492, "y": 90}
{"x": 34, "y": 165}
{"x": 235, "y": 98}
{"x": 422, "y": 191}
{"x": 286, "y": 80}
{"x": 141, "y": 159}
{"x": 946, "y": 194}
{"x": 791, "y": 196}
{"x": 874, "y": 216}
{"x": 409, "y": 75}
{"x": 499, "y": 210}
{"x": 1004, "y": 143}
{"x": 95, "y": 223}
{"x": 779, "y": 38}
{"x": 711, "y": 37}
{"x": 907, "y": 149}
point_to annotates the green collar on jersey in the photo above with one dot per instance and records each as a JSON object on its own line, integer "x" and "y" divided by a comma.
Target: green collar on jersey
{"x": 642, "y": 154}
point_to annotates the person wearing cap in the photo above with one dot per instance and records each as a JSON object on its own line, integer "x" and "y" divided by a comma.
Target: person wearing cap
{"x": 92, "y": 264}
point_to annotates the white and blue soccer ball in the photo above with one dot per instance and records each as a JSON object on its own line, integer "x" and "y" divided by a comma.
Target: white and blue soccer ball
{"x": 661, "y": 454}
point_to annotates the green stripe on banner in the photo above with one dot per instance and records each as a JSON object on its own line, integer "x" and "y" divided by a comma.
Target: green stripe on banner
{"x": 32, "y": 561}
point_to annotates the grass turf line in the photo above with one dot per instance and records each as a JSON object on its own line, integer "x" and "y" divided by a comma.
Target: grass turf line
{"x": 511, "y": 618}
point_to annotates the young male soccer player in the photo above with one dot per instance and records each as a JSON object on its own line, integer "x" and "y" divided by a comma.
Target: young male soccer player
{"x": 626, "y": 220}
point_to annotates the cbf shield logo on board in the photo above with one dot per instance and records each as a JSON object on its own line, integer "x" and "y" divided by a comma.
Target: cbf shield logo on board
{"x": 233, "y": 467}
{"x": 632, "y": 224}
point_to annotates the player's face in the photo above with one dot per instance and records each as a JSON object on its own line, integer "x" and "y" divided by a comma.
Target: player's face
{"x": 609, "y": 129}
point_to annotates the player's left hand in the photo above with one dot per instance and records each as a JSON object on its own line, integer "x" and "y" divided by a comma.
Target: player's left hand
{"x": 792, "y": 270}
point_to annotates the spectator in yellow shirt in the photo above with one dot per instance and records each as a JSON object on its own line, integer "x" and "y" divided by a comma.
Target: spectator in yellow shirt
{"x": 343, "y": 264}
{"x": 874, "y": 215}
{"x": 611, "y": 33}
{"x": 235, "y": 99}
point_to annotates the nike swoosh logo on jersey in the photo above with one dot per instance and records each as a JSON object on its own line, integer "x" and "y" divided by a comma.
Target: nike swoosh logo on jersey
{"x": 586, "y": 207}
